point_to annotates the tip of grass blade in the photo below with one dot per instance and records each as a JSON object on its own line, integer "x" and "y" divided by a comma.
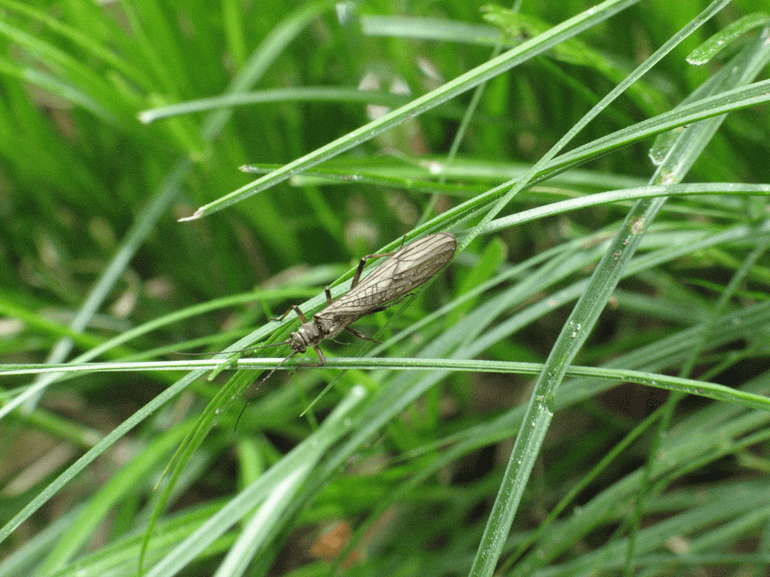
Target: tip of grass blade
{"x": 194, "y": 216}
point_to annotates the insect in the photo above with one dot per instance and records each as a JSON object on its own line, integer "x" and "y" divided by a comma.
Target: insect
{"x": 406, "y": 269}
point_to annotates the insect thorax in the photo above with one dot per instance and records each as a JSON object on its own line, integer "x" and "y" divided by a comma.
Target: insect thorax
{"x": 308, "y": 335}
{"x": 298, "y": 341}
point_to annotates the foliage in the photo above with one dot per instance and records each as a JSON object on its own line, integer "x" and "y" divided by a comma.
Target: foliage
{"x": 604, "y": 170}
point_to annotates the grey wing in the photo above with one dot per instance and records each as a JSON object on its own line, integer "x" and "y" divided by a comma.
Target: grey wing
{"x": 404, "y": 271}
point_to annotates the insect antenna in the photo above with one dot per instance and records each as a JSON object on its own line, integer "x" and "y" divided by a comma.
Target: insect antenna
{"x": 276, "y": 367}
{"x": 286, "y": 342}
{"x": 262, "y": 380}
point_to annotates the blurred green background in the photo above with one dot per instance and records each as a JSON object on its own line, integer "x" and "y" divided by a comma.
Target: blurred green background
{"x": 91, "y": 247}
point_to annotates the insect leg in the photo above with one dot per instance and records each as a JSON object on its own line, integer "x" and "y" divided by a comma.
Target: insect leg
{"x": 297, "y": 310}
{"x": 360, "y": 269}
{"x": 361, "y": 264}
{"x": 355, "y": 333}
{"x": 294, "y": 308}
{"x": 328, "y": 295}
{"x": 390, "y": 304}
{"x": 284, "y": 315}
{"x": 321, "y": 357}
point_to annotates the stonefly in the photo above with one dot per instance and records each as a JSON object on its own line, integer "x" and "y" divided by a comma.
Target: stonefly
{"x": 406, "y": 269}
